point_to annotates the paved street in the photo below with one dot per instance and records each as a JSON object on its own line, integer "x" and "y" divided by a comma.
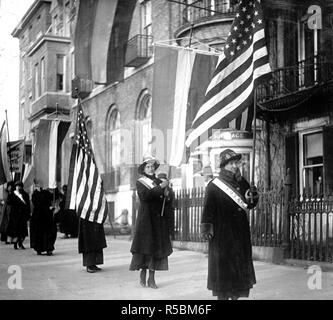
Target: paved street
{"x": 62, "y": 276}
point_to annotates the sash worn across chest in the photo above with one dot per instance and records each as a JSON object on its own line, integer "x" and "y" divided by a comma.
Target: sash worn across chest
{"x": 148, "y": 183}
{"x": 231, "y": 192}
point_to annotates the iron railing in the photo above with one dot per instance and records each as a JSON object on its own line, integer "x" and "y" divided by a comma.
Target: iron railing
{"x": 188, "y": 212}
{"x": 206, "y": 9}
{"x": 138, "y": 50}
{"x": 311, "y": 224}
{"x": 265, "y": 221}
{"x": 308, "y": 223}
{"x": 289, "y": 80}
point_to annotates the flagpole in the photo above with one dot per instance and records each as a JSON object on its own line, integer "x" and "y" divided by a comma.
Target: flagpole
{"x": 168, "y": 178}
{"x": 254, "y": 138}
{"x": 8, "y": 148}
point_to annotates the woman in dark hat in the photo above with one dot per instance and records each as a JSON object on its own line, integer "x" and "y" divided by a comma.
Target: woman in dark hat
{"x": 19, "y": 215}
{"x": 151, "y": 244}
{"x": 224, "y": 223}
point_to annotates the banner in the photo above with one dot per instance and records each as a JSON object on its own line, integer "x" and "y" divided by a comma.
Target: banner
{"x": 16, "y": 155}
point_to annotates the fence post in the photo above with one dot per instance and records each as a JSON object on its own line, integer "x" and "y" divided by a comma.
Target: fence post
{"x": 286, "y": 216}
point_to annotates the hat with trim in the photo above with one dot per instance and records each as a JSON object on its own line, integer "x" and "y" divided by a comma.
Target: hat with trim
{"x": 227, "y": 156}
{"x": 148, "y": 159}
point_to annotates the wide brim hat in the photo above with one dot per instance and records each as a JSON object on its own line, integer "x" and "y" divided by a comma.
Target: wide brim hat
{"x": 147, "y": 159}
{"x": 227, "y": 156}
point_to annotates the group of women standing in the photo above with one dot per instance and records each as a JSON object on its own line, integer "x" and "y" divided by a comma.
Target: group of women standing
{"x": 18, "y": 210}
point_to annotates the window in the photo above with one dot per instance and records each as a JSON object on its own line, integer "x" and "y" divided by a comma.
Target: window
{"x": 312, "y": 162}
{"x": 145, "y": 125}
{"x": 146, "y": 18}
{"x": 72, "y": 64}
{"x": 42, "y": 75}
{"x": 115, "y": 138}
{"x": 60, "y": 73}
{"x": 36, "y": 85}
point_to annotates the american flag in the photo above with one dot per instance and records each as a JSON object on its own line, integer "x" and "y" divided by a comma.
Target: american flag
{"x": 85, "y": 184}
{"x": 244, "y": 60}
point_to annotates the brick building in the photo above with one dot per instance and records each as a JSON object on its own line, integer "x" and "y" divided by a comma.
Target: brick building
{"x": 46, "y": 62}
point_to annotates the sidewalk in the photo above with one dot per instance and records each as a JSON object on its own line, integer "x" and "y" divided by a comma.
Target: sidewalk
{"x": 62, "y": 276}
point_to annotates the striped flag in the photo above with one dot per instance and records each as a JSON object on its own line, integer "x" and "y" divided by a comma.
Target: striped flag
{"x": 243, "y": 62}
{"x": 85, "y": 184}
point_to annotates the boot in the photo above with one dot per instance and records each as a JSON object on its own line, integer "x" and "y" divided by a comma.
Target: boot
{"x": 20, "y": 244}
{"x": 143, "y": 274}
{"x": 15, "y": 245}
{"x": 151, "y": 280}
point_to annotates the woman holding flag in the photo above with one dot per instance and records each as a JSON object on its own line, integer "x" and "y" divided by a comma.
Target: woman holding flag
{"x": 151, "y": 244}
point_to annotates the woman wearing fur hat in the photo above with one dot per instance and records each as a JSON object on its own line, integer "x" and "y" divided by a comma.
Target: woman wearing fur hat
{"x": 151, "y": 244}
{"x": 224, "y": 223}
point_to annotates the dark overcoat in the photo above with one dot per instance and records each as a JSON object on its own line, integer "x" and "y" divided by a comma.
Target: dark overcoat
{"x": 91, "y": 236}
{"x": 43, "y": 230}
{"x": 67, "y": 218}
{"x": 5, "y": 218}
{"x": 230, "y": 265}
{"x": 19, "y": 214}
{"x": 152, "y": 229}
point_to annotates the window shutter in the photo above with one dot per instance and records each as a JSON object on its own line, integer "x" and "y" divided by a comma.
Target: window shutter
{"x": 291, "y": 153}
{"x": 328, "y": 159}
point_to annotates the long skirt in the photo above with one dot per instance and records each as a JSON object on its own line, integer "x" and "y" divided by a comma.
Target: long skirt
{"x": 92, "y": 258}
{"x": 141, "y": 261}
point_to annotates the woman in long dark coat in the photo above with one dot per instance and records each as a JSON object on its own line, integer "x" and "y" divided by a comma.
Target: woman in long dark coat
{"x": 6, "y": 211}
{"x": 224, "y": 222}
{"x": 91, "y": 244}
{"x": 43, "y": 230}
{"x": 19, "y": 215}
{"x": 151, "y": 244}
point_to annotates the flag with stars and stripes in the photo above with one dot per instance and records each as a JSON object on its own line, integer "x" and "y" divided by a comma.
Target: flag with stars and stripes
{"x": 85, "y": 187}
{"x": 229, "y": 97}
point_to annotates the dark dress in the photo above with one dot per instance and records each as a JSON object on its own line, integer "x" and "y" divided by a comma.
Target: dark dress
{"x": 151, "y": 244}
{"x": 91, "y": 242}
{"x": 230, "y": 266}
{"x": 19, "y": 214}
{"x": 68, "y": 220}
{"x": 4, "y": 220}
{"x": 43, "y": 230}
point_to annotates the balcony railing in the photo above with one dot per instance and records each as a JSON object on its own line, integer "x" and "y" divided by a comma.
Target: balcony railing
{"x": 138, "y": 51}
{"x": 201, "y": 10}
{"x": 295, "y": 79}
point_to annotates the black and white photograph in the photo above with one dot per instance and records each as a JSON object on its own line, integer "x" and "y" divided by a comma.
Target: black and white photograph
{"x": 176, "y": 151}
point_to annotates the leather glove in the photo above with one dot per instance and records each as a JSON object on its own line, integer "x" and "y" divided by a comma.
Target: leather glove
{"x": 252, "y": 192}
